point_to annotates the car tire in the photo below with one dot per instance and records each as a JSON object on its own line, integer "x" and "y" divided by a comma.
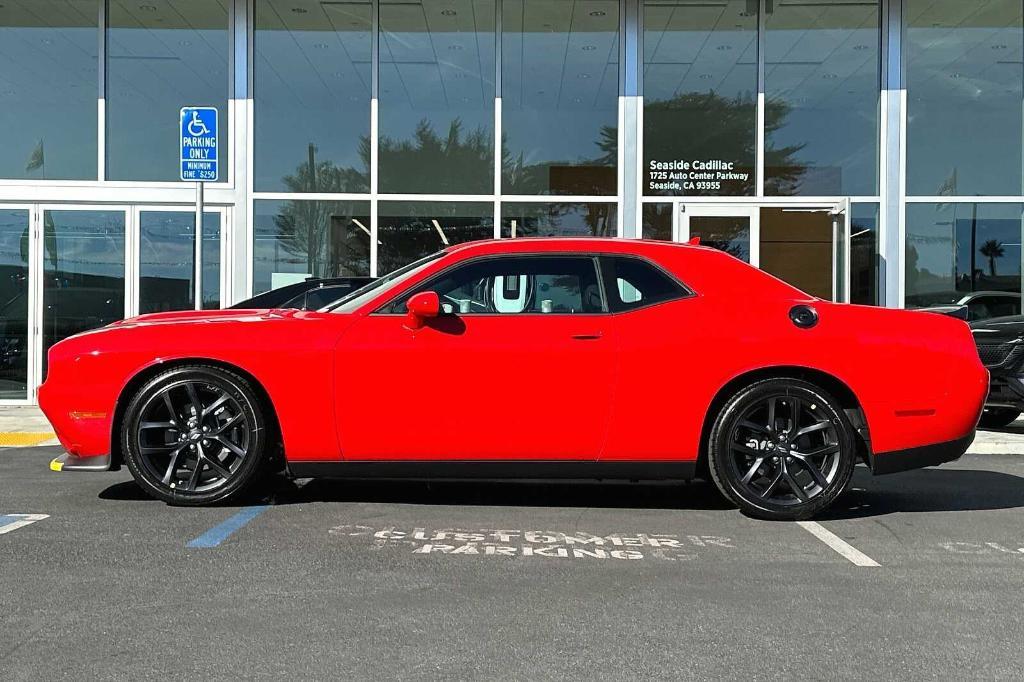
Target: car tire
{"x": 195, "y": 435}
{"x": 998, "y": 417}
{"x": 782, "y": 449}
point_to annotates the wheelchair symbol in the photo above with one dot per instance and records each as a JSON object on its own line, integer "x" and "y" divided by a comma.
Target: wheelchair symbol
{"x": 196, "y": 127}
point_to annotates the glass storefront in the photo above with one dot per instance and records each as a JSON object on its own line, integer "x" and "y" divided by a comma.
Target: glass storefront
{"x": 161, "y": 56}
{"x": 48, "y": 89}
{"x": 360, "y": 135}
{"x": 964, "y": 97}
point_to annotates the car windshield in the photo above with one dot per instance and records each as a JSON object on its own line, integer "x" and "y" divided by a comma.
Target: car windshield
{"x": 357, "y": 298}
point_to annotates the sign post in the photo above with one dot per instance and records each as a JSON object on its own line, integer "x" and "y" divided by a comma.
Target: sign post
{"x": 200, "y": 163}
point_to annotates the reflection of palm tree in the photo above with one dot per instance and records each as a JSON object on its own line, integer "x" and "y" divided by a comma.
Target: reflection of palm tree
{"x": 460, "y": 163}
{"x": 992, "y": 249}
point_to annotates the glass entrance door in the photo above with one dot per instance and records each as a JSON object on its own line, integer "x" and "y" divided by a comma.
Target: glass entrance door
{"x": 15, "y": 302}
{"x": 805, "y": 245}
{"x": 167, "y": 258}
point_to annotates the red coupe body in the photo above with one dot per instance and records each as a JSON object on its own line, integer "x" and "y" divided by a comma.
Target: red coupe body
{"x": 362, "y": 384}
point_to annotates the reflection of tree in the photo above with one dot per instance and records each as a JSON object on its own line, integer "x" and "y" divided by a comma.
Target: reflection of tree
{"x": 554, "y": 220}
{"x": 405, "y": 237}
{"x": 992, "y": 249}
{"x": 323, "y": 231}
{"x": 707, "y": 126}
{"x": 593, "y": 177}
{"x": 457, "y": 164}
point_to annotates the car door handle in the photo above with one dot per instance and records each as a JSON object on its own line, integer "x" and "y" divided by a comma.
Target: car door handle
{"x": 587, "y": 337}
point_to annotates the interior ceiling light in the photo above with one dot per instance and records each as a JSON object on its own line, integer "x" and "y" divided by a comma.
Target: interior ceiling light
{"x": 597, "y": 13}
{"x": 584, "y": 76}
{"x": 455, "y": 47}
{"x": 955, "y": 75}
{"x": 300, "y": 10}
{"x": 830, "y": 76}
{"x": 589, "y": 48}
{"x": 999, "y": 47}
{"x": 147, "y": 8}
{"x": 705, "y": 76}
{"x": 449, "y": 12}
{"x": 185, "y": 43}
{"x": 860, "y": 47}
{"x": 320, "y": 46}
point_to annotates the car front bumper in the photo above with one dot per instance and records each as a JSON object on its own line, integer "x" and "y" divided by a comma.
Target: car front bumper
{"x": 68, "y": 462}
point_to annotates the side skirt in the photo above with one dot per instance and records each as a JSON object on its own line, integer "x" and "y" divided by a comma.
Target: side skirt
{"x": 495, "y": 469}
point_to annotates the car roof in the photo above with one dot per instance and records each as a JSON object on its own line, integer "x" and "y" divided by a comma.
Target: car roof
{"x": 563, "y": 244}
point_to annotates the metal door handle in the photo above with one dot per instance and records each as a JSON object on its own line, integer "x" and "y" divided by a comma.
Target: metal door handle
{"x": 587, "y": 337}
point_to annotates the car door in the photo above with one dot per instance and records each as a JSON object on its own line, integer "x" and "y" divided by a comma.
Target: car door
{"x": 520, "y": 364}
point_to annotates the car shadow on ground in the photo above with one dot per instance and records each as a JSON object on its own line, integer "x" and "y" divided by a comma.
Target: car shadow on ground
{"x": 927, "y": 490}
{"x": 924, "y": 490}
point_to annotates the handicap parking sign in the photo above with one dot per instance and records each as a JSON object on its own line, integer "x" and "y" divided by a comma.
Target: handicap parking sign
{"x": 199, "y": 161}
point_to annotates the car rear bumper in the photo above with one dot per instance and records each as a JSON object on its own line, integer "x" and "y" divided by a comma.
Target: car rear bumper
{"x": 922, "y": 456}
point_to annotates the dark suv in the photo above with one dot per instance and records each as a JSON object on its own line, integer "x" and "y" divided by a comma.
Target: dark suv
{"x": 1000, "y": 342}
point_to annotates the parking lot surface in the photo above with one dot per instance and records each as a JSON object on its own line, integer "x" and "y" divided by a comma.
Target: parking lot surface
{"x": 911, "y": 576}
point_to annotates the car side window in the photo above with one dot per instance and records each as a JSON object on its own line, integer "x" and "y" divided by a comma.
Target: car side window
{"x": 539, "y": 284}
{"x": 634, "y": 282}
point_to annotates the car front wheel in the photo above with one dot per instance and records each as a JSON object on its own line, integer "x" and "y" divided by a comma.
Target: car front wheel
{"x": 782, "y": 449}
{"x": 195, "y": 435}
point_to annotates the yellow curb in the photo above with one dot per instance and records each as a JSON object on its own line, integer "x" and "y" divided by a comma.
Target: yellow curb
{"x": 11, "y": 439}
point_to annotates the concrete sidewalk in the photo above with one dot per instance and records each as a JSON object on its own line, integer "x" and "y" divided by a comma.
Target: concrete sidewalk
{"x": 25, "y": 425}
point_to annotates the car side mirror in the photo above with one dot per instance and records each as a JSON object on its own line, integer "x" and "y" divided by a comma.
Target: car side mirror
{"x": 422, "y": 307}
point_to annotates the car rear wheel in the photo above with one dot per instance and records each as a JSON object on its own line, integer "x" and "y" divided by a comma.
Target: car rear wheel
{"x": 998, "y": 417}
{"x": 782, "y": 449}
{"x": 195, "y": 435}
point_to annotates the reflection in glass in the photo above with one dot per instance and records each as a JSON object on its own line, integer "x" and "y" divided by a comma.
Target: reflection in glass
{"x": 14, "y": 234}
{"x": 864, "y": 254}
{"x": 560, "y": 86}
{"x": 83, "y": 272}
{"x": 294, "y": 240}
{"x": 558, "y": 220}
{"x": 700, "y": 98}
{"x": 964, "y": 97}
{"x": 822, "y": 73}
{"x": 312, "y": 96}
{"x": 437, "y": 96}
{"x": 657, "y": 222}
{"x": 48, "y": 81}
{"x": 162, "y": 56}
{"x": 954, "y": 249}
{"x": 411, "y": 230}
{"x": 167, "y": 261}
{"x": 725, "y": 233}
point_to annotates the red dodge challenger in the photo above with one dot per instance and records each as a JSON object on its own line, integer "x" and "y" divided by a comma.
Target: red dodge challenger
{"x": 527, "y": 358}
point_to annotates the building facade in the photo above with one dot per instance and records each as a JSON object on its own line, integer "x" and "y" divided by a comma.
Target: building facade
{"x": 868, "y": 151}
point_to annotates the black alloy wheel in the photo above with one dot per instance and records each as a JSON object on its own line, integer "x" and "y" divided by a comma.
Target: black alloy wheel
{"x": 782, "y": 449}
{"x": 194, "y": 435}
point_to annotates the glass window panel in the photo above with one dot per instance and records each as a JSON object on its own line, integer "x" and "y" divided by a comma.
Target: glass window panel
{"x": 312, "y": 96}
{"x": 560, "y": 87}
{"x": 294, "y": 240}
{"x": 725, "y": 233}
{"x": 700, "y": 97}
{"x": 437, "y": 96}
{"x": 83, "y": 272}
{"x": 964, "y": 96}
{"x": 14, "y": 235}
{"x": 864, "y": 254}
{"x": 955, "y": 249}
{"x": 162, "y": 55}
{"x": 822, "y": 78}
{"x": 167, "y": 261}
{"x": 657, "y": 221}
{"x": 411, "y": 230}
{"x": 558, "y": 220}
{"x": 48, "y": 89}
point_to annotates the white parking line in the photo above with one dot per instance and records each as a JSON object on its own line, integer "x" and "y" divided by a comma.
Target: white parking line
{"x": 9, "y": 522}
{"x": 854, "y": 555}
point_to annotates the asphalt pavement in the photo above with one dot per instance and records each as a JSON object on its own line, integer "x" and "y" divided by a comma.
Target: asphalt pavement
{"x": 911, "y": 576}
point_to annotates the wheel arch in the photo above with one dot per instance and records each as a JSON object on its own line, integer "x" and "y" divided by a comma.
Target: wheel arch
{"x": 827, "y": 382}
{"x": 146, "y": 373}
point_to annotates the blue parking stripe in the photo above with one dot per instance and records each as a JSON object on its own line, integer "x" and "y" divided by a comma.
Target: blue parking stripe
{"x": 223, "y": 531}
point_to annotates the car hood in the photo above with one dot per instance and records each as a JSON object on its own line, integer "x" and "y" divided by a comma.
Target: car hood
{"x": 998, "y": 328}
{"x": 204, "y": 316}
